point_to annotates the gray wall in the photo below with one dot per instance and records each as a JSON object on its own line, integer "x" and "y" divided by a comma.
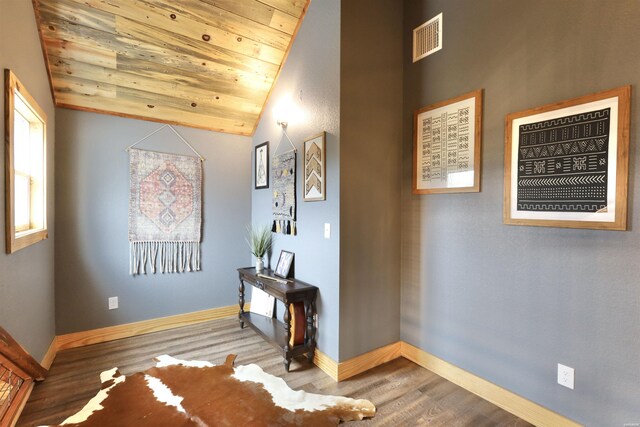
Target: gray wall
{"x": 92, "y": 249}
{"x": 26, "y": 277}
{"x": 370, "y": 175}
{"x": 508, "y": 303}
{"x": 311, "y": 77}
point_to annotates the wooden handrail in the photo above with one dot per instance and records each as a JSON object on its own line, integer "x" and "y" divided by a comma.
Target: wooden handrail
{"x": 14, "y": 352}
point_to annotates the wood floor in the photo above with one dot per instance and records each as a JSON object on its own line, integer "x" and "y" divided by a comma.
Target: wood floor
{"x": 404, "y": 393}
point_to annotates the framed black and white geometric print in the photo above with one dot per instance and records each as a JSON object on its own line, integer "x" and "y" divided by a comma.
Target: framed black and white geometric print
{"x": 447, "y": 146}
{"x": 566, "y": 164}
{"x": 261, "y": 166}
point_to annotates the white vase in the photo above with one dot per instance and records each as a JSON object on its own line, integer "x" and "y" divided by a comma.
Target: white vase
{"x": 259, "y": 265}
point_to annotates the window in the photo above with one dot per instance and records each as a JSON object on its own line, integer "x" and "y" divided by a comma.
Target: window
{"x": 25, "y": 167}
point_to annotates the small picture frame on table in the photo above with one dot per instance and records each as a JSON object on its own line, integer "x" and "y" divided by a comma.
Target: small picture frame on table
{"x": 284, "y": 264}
{"x": 261, "y": 166}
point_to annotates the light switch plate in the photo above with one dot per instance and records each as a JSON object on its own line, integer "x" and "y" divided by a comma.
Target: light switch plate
{"x": 327, "y": 230}
{"x": 113, "y": 303}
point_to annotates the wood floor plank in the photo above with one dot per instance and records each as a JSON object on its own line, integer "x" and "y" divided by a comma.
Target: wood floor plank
{"x": 404, "y": 393}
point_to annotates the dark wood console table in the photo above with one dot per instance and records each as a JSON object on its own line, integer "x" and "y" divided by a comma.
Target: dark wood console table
{"x": 271, "y": 329}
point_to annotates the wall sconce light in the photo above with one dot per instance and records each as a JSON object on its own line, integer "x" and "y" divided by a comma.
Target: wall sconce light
{"x": 284, "y": 111}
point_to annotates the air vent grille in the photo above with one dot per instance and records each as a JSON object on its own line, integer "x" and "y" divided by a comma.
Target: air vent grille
{"x": 427, "y": 38}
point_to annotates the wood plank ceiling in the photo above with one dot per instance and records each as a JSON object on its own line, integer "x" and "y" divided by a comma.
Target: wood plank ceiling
{"x": 207, "y": 64}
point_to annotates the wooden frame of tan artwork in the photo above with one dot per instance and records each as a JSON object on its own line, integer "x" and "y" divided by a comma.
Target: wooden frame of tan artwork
{"x": 315, "y": 168}
{"x": 567, "y": 163}
{"x": 450, "y": 164}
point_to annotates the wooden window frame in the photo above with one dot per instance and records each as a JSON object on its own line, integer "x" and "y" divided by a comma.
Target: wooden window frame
{"x": 16, "y": 240}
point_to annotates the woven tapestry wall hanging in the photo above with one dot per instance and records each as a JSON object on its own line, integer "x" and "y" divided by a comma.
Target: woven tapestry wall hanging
{"x": 165, "y": 212}
{"x": 283, "y": 170}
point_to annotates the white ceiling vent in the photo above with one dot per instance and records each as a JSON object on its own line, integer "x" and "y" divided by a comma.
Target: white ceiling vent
{"x": 427, "y": 38}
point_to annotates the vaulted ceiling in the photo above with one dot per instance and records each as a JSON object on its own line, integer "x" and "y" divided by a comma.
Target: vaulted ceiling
{"x": 208, "y": 64}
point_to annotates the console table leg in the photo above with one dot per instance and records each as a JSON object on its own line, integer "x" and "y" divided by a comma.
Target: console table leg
{"x": 287, "y": 329}
{"x": 311, "y": 330}
{"x": 241, "y": 303}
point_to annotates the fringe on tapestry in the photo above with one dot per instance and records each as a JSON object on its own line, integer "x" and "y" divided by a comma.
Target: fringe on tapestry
{"x": 173, "y": 257}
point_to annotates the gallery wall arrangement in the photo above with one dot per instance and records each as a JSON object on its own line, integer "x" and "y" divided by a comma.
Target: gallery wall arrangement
{"x": 283, "y": 173}
{"x": 566, "y": 164}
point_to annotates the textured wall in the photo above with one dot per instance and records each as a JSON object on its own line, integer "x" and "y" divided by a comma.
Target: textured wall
{"x": 92, "y": 252}
{"x": 370, "y": 165}
{"x": 504, "y": 302}
{"x": 26, "y": 277}
{"x": 311, "y": 79}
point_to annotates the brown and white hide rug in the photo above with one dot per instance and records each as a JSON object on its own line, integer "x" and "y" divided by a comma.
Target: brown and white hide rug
{"x": 192, "y": 393}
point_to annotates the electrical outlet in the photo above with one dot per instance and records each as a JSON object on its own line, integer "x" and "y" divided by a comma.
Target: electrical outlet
{"x": 327, "y": 230}
{"x": 565, "y": 376}
{"x": 113, "y": 303}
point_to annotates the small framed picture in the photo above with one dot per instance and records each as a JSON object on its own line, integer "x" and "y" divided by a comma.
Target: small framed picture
{"x": 314, "y": 168}
{"x": 261, "y": 172}
{"x": 284, "y": 264}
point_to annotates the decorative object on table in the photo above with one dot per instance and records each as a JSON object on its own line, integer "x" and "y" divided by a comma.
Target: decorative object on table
{"x": 284, "y": 264}
{"x": 262, "y": 303}
{"x": 566, "y": 164}
{"x": 261, "y": 166}
{"x": 298, "y": 323}
{"x": 165, "y": 212}
{"x": 260, "y": 240}
{"x": 185, "y": 393}
{"x": 447, "y": 146}
{"x": 315, "y": 168}
{"x": 284, "y": 193}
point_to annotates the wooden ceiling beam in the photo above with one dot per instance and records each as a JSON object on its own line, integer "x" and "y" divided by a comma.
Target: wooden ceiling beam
{"x": 66, "y": 12}
{"x": 152, "y": 82}
{"x": 83, "y": 88}
{"x": 78, "y": 52}
{"x": 181, "y": 45}
{"x": 207, "y": 64}
{"x": 259, "y": 12}
{"x": 209, "y": 14}
{"x": 77, "y": 14}
{"x": 79, "y": 40}
{"x": 294, "y": 8}
{"x": 161, "y": 114}
{"x": 161, "y": 20}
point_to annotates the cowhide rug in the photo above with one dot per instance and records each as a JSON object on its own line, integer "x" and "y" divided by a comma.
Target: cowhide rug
{"x": 192, "y": 393}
